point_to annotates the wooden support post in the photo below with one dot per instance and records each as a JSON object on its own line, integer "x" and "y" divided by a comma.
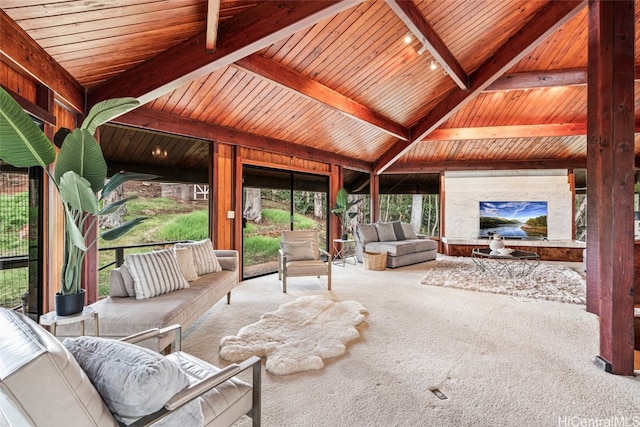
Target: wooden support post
{"x": 610, "y": 175}
{"x": 374, "y": 195}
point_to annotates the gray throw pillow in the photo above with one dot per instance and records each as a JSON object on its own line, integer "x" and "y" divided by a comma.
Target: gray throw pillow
{"x": 298, "y": 251}
{"x": 407, "y": 230}
{"x": 397, "y": 229}
{"x": 385, "y": 232}
{"x": 133, "y": 381}
{"x": 367, "y": 233}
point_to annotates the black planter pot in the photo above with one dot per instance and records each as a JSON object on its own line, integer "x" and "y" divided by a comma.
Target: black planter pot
{"x": 345, "y": 237}
{"x": 66, "y": 305}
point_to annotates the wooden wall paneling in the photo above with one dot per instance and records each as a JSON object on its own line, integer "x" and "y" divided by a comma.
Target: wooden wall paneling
{"x": 610, "y": 165}
{"x": 221, "y": 194}
{"x": 269, "y": 159}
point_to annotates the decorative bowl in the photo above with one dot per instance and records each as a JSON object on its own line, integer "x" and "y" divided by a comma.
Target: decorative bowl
{"x": 505, "y": 251}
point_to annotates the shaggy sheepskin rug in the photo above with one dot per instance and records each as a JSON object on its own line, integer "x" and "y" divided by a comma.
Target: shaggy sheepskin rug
{"x": 297, "y": 336}
{"x": 549, "y": 282}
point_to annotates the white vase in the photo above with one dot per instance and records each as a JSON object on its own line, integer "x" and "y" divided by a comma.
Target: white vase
{"x": 496, "y": 243}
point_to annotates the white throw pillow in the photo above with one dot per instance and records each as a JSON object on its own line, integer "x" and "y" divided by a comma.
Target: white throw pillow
{"x": 133, "y": 381}
{"x": 121, "y": 283}
{"x": 298, "y": 251}
{"x": 155, "y": 273}
{"x": 204, "y": 256}
{"x": 187, "y": 263}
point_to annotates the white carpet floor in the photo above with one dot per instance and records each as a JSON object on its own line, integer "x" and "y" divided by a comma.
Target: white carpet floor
{"x": 500, "y": 361}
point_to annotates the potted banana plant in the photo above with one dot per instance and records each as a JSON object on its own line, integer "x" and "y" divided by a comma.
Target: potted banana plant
{"x": 342, "y": 210}
{"x": 79, "y": 176}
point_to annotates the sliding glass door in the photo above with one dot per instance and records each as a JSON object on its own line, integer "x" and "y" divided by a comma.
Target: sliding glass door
{"x": 276, "y": 200}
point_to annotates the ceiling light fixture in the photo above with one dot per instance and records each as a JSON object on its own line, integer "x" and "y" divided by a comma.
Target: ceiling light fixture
{"x": 159, "y": 153}
{"x": 421, "y": 51}
{"x": 433, "y": 65}
{"x": 407, "y": 39}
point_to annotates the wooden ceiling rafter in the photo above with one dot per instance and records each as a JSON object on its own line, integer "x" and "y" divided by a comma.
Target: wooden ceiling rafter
{"x": 461, "y": 165}
{"x": 213, "y": 15}
{"x": 162, "y": 122}
{"x": 548, "y": 20}
{"x": 312, "y": 89}
{"x": 239, "y": 36}
{"x": 412, "y": 18}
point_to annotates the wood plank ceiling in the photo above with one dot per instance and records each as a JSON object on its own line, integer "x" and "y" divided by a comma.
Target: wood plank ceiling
{"x": 480, "y": 84}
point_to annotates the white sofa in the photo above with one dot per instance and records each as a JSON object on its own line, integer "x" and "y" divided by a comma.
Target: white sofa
{"x": 121, "y": 315}
{"x": 43, "y": 384}
{"x": 402, "y": 245}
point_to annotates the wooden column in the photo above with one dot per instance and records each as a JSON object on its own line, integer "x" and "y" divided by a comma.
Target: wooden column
{"x": 374, "y": 196}
{"x": 336, "y": 181}
{"x": 221, "y": 195}
{"x": 610, "y": 175}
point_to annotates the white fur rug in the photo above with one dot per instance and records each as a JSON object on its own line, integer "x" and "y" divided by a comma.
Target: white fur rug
{"x": 549, "y": 282}
{"x": 297, "y": 336}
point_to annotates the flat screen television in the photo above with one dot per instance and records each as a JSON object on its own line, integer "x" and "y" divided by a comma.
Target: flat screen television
{"x": 518, "y": 220}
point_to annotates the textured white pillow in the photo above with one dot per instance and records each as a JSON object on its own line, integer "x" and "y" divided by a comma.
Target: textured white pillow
{"x": 205, "y": 258}
{"x": 133, "y": 381}
{"x": 298, "y": 251}
{"x": 121, "y": 283}
{"x": 186, "y": 263}
{"x": 155, "y": 273}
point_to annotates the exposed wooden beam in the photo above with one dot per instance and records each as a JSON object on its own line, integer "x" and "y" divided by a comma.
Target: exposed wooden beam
{"x": 540, "y": 79}
{"x": 311, "y": 89}
{"x": 548, "y": 20}
{"x": 501, "y": 132}
{"x": 213, "y": 14}
{"x": 168, "y": 123}
{"x": 412, "y": 18}
{"x": 19, "y": 50}
{"x": 455, "y": 165}
{"x": 240, "y": 36}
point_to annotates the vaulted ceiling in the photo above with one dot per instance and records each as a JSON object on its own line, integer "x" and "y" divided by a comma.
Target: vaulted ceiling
{"x": 480, "y": 83}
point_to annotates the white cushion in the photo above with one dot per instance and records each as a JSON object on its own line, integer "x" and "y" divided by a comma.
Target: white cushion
{"x": 133, "y": 381}
{"x": 298, "y": 251}
{"x": 116, "y": 284}
{"x": 155, "y": 273}
{"x": 186, "y": 263}
{"x": 121, "y": 283}
{"x": 205, "y": 259}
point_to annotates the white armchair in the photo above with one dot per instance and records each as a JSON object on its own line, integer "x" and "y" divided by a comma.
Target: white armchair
{"x": 300, "y": 255}
{"x": 42, "y": 383}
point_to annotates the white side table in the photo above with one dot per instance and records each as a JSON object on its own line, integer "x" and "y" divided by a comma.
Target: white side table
{"x": 344, "y": 249}
{"x": 53, "y": 320}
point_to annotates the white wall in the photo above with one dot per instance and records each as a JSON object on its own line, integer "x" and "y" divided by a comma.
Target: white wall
{"x": 465, "y": 190}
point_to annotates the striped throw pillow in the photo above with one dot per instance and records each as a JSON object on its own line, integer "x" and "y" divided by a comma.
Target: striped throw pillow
{"x": 155, "y": 273}
{"x": 205, "y": 258}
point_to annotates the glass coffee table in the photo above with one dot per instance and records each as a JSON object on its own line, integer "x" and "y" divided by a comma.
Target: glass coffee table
{"x": 515, "y": 264}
